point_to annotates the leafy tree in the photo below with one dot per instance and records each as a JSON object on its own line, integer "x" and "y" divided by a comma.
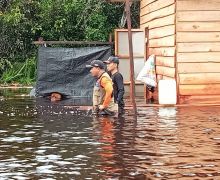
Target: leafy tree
{"x": 24, "y": 21}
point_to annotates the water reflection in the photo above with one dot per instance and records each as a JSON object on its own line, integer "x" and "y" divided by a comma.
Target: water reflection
{"x": 43, "y": 140}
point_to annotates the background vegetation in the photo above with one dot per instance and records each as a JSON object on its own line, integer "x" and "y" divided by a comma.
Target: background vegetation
{"x": 24, "y": 21}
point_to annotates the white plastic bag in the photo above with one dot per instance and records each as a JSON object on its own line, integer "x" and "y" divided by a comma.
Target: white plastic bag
{"x": 147, "y": 74}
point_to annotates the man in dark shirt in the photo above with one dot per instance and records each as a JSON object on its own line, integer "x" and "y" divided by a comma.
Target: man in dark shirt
{"x": 118, "y": 83}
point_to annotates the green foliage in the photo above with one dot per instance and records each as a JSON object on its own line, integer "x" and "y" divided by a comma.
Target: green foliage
{"x": 4, "y": 64}
{"x": 23, "y": 73}
{"x": 24, "y": 21}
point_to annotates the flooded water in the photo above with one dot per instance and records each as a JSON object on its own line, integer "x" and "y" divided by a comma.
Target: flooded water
{"x": 43, "y": 140}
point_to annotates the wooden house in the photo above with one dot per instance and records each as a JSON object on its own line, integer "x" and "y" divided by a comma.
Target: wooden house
{"x": 185, "y": 37}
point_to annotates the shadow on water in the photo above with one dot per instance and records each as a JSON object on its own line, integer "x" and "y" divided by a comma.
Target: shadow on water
{"x": 43, "y": 140}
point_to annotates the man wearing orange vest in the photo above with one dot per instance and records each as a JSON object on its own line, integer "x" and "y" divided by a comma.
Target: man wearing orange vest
{"x": 103, "y": 100}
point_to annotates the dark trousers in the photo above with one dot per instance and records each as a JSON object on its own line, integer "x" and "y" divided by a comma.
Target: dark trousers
{"x": 121, "y": 106}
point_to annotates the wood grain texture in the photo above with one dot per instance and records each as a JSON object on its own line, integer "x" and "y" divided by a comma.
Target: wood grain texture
{"x": 162, "y": 32}
{"x": 165, "y": 71}
{"x": 198, "y": 37}
{"x": 162, "y": 42}
{"x": 210, "y": 89}
{"x": 200, "y": 78}
{"x": 205, "y": 16}
{"x": 165, "y": 61}
{"x": 159, "y": 4}
{"x": 198, "y": 26}
{"x": 198, "y": 67}
{"x": 199, "y": 47}
{"x": 198, "y": 5}
{"x": 156, "y": 15}
{"x": 199, "y": 57}
{"x": 166, "y": 51}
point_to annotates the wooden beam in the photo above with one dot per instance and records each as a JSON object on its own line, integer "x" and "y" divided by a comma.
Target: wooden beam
{"x": 127, "y": 56}
{"x": 73, "y": 42}
{"x": 125, "y": 30}
{"x": 132, "y": 86}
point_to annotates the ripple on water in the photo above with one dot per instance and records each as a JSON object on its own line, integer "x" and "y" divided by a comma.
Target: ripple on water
{"x": 17, "y": 139}
{"x": 51, "y": 142}
{"x": 46, "y": 169}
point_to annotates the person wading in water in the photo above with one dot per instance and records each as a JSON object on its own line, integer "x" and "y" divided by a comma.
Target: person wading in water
{"x": 118, "y": 82}
{"x": 103, "y": 101}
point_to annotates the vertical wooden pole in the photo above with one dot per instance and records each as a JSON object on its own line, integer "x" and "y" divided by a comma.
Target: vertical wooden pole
{"x": 146, "y": 57}
{"x": 132, "y": 85}
{"x": 110, "y": 38}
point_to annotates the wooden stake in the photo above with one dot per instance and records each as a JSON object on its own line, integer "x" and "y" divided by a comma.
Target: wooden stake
{"x": 132, "y": 85}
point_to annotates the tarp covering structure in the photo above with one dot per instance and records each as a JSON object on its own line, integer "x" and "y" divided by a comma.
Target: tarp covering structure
{"x": 64, "y": 70}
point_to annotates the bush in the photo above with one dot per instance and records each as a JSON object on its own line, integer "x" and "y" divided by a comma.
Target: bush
{"x": 19, "y": 72}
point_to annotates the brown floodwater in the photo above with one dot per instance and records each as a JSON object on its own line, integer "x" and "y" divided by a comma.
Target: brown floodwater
{"x": 44, "y": 140}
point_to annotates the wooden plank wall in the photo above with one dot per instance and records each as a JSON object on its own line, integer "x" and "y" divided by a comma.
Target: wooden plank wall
{"x": 159, "y": 17}
{"x": 198, "y": 47}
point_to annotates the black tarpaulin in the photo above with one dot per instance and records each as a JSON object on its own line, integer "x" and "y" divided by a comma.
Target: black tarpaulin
{"x": 64, "y": 70}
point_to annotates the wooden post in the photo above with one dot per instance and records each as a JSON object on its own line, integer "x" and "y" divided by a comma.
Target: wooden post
{"x": 146, "y": 57}
{"x": 132, "y": 85}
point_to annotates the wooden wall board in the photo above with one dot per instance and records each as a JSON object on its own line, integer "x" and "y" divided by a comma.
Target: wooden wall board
{"x": 159, "y": 4}
{"x": 198, "y": 26}
{"x": 163, "y": 21}
{"x": 196, "y": 5}
{"x": 165, "y": 51}
{"x": 210, "y": 89}
{"x": 199, "y": 57}
{"x": 205, "y": 16}
{"x": 156, "y": 15}
{"x": 162, "y": 32}
{"x": 162, "y": 42}
{"x": 200, "y": 78}
{"x": 198, "y": 37}
{"x": 144, "y": 3}
{"x": 198, "y": 67}
{"x": 165, "y": 71}
{"x": 199, "y": 47}
{"x": 202, "y": 99}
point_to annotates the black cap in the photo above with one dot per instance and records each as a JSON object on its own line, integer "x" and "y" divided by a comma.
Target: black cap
{"x": 112, "y": 59}
{"x": 96, "y": 63}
